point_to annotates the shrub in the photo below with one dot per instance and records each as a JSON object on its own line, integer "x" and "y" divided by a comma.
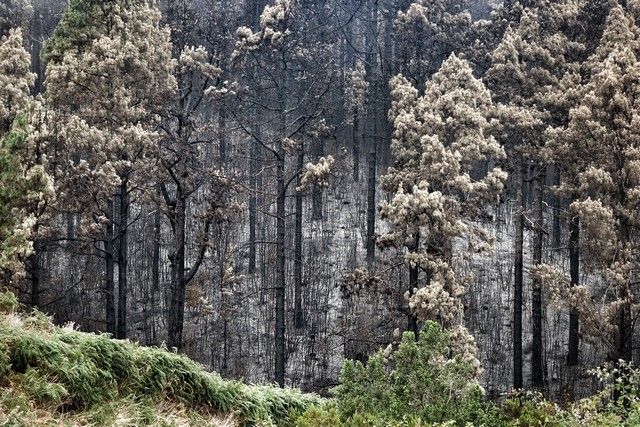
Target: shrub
{"x": 422, "y": 378}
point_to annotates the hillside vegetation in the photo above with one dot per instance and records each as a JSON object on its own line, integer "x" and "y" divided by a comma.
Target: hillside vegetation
{"x": 53, "y": 375}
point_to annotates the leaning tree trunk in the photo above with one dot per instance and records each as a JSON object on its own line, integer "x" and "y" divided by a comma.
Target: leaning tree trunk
{"x": 537, "y": 368}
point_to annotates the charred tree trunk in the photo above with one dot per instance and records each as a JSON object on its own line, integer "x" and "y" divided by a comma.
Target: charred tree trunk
{"x": 176, "y": 307}
{"x": 155, "y": 272}
{"x": 371, "y": 206}
{"x": 222, "y": 135}
{"x": 253, "y": 205}
{"x": 33, "y": 269}
{"x": 355, "y": 137}
{"x": 574, "y": 269}
{"x": 413, "y": 284}
{"x": 123, "y": 222}
{"x": 298, "y": 317}
{"x": 280, "y": 268}
{"x": 109, "y": 282}
{"x": 537, "y": 368}
{"x": 557, "y": 211}
{"x": 625, "y": 323}
{"x": 316, "y": 192}
{"x": 517, "y": 280}
{"x": 372, "y": 118}
{"x": 281, "y": 191}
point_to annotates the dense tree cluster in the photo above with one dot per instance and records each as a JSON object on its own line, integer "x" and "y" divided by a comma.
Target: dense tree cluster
{"x": 273, "y": 186}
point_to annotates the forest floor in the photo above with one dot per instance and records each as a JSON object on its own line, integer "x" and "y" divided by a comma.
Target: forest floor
{"x": 57, "y": 376}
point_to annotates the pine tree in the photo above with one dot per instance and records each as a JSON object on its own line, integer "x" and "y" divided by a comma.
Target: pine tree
{"x": 526, "y": 76}
{"x": 427, "y": 32}
{"x": 439, "y": 137}
{"x": 24, "y": 185}
{"x": 109, "y": 69}
{"x": 600, "y": 147}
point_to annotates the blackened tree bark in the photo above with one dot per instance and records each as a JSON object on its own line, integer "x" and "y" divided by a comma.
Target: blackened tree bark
{"x": 280, "y": 287}
{"x": 123, "y": 223}
{"x": 109, "y": 282}
{"x": 155, "y": 271}
{"x": 371, "y": 204}
{"x": 414, "y": 275}
{"x": 180, "y": 275}
{"x": 624, "y": 338}
{"x": 372, "y": 118}
{"x": 574, "y": 270}
{"x": 355, "y": 137}
{"x": 253, "y": 205}
{"x": 517, "y": 279}
{"x": 557, "y": 211}
{"x": 298, "y": 315}
{"x": 316, "y": 191}
{"x": 537, "y": 368}
{"x": 178, "y": 285}
{"x": 281, "y": 205}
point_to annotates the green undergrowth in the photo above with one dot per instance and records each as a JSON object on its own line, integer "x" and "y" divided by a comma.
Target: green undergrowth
{"x": 91, "y": 379}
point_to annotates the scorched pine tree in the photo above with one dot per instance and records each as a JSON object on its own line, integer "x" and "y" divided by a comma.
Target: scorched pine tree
{"x": 109, "y": 68}
{"x": 439, "y": 139}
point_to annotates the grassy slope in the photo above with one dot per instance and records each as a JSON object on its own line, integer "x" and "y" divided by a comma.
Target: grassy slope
{"x": 57, "y": 376}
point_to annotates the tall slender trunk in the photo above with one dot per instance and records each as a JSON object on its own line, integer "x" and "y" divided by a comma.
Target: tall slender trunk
{"x": 222, "y": 136}
{"x": 109, "y": 283}
{"x": 537, "y": 368}
{"x": 517, "y": 280}
{"x": 155, "y": 272}
{"x": 316, "y": 191}
{"x": 412, "y": 321}
{"x": 557, "y": 210}
{"x": 298, "y": 315}
{"x": 37, "y": 37}
{"x": 625, "y": 325}
{"x": 372, "y": 118}
{"x": 33, "y": 267}
{"x": 574, "y": 269}
{"x": 225, "y": 346}
{"x": 176, "y": 308}
{"x": 253, "y": 205}
{"x": 280, "y": 269}
{"x": 355, "y": 137}
{"x": 123, "y": 258}
{"x": 371, "y": 205}
{"x": 280, "y": 288}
